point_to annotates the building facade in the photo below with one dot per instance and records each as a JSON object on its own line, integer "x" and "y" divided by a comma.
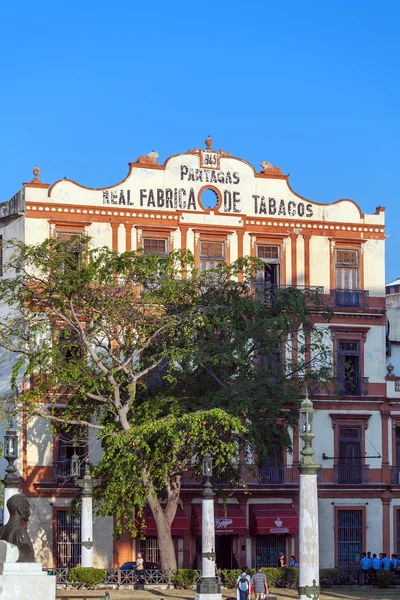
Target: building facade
{"x": 220, "y": 208}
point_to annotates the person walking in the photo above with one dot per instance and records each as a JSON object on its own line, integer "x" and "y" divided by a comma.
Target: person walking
{"x": 282, "y": 561}
{"x": 243, "y": 584}
{"x": 293, "y": 562}
{"x": 394, "y": 563}
{"x": 260, "y": 584}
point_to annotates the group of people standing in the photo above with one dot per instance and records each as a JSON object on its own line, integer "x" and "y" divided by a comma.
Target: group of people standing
{"x": 370, "y": 564}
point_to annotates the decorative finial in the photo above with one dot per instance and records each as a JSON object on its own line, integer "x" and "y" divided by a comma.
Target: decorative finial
{"x": 209, "y": 142}
{"x": 36, "y": 172}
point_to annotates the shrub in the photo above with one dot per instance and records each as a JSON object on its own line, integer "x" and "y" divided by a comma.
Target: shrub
{"x": 328, "y": 577}
{"x": 229, "y": 577}
{"x": 386, "y": 579}
{"x": 86, "y": 576}
{"x": 185, "y": 578}
{"x": 281, "y": 576}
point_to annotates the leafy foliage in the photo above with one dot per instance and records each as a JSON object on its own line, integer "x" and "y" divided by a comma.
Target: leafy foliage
{"x": 87, "y": 577}
{"x": 184, "y": 579}
{"x": 162, "y": 362}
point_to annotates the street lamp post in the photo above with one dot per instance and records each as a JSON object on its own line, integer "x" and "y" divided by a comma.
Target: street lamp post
{"x": 87, "y": 484}
{"x": 308, "y": 517}
{"x": 208, "y": 587}
{"x": 11, "y": 480}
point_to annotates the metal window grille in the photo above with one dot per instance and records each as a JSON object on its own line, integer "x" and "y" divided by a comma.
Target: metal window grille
{"x": 397, "y": 385}
{"x": 268, "y": 252}
{"x": 350, "y": 540}
{"x": 68, "y": 540}
{"x": 268, "y": 548}
{"x": 347, "y": 346}
{"x": 347, "y": 257}
{"x": 149, "y": 549}
{"x": 155, "y": 245}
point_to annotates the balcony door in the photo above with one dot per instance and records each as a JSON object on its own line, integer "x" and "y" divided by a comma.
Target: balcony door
{"x": 268, "y": 278}
{"x": 350, "y": 458}
{"x": 349, "y": 367}
{"x": 347, "y": 278}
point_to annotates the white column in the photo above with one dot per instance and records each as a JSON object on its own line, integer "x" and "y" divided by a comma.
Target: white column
{"x": 8, "y": 492}
{"x": 87, "y": 532}
{"x": 308, "y": 531}
{"x": 208, "y": 537}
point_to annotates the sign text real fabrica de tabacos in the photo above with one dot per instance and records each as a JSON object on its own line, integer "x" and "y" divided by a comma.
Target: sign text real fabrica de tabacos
{"x": 182, "y": 198}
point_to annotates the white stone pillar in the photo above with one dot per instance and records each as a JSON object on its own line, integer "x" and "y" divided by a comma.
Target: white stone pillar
{"x": 208, "y": 538}
{"x": 308, "y": 533}
{"x": 208, "y": 586}
{"x": 87, "y": 531}
{"x": 8, "y": 492}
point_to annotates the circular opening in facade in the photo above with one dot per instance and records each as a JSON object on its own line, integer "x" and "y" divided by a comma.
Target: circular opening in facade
{"x": 209, "y": 198}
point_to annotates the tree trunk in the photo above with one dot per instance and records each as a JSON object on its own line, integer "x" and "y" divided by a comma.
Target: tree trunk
{"x": 165, "y": 542}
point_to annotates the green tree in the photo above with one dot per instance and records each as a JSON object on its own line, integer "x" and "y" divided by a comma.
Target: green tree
{"x": 163, "y": 362}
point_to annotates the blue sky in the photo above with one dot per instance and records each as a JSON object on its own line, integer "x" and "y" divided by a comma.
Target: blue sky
{"x": 311, "y": 86}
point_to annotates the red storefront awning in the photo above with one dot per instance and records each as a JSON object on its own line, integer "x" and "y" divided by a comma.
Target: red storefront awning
{"x": 179, "y": 527}
{"x": 266, "y": 519}
{"x": 229, "y": 522}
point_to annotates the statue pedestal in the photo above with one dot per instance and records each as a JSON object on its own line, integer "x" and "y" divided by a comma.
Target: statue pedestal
{"x": 26, "y": 581}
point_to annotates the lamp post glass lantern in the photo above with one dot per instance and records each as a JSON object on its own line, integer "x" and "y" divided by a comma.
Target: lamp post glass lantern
{"x": 11, "y": 445}
{"x": 11, "y": 480}
{"x": 207, "y": 465}
{"x": 308, "y": 507}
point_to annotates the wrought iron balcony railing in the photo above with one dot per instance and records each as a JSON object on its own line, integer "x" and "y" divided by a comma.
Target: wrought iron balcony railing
{"x": 341, "y": 298}
{"x": 246, "y": 474}
{"x": 269, "y": 292}
{"x": 351, "y": 473}
{"x": 62, "y": 471}
{"x": 353, "y": 385}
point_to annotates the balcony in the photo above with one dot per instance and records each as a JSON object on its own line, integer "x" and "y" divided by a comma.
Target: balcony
{"x": 62, "y": 471}
{"x": 269, "y": 292}
{"x": 350, "y": 473}
{"x": 350, "y": 298}
{"x": 244, "y": 474}
{"x": 353, "y": 385}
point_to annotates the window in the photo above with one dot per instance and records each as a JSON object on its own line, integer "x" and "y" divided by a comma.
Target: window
{"x": 74, "y": 248}
{"x": 272, "y": 469}
{"x": 211, "y": 254}
{"x": 347, "y": 278}
{"x": 268, "y": 548}
{"x": 70, "y": 442}
{"x": 149, "y": 549}
{"x": 155, "y": 246}
{"x": 349, "y": 367}
{"x": 268, "y": 279}
{"x": 350, "y": 468}
{"x": 68, "y": 552}
{"x": 1, "y": 256}
{"x": 350, "y": 538}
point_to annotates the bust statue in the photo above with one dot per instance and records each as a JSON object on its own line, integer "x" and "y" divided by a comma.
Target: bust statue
{"x": 14, "y": 531}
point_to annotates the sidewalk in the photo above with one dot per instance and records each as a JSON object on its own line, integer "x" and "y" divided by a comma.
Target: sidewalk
{"x": 281, "y": 594}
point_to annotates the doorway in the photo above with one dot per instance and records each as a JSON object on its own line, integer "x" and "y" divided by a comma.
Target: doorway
{"x": 223, "y": 551}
